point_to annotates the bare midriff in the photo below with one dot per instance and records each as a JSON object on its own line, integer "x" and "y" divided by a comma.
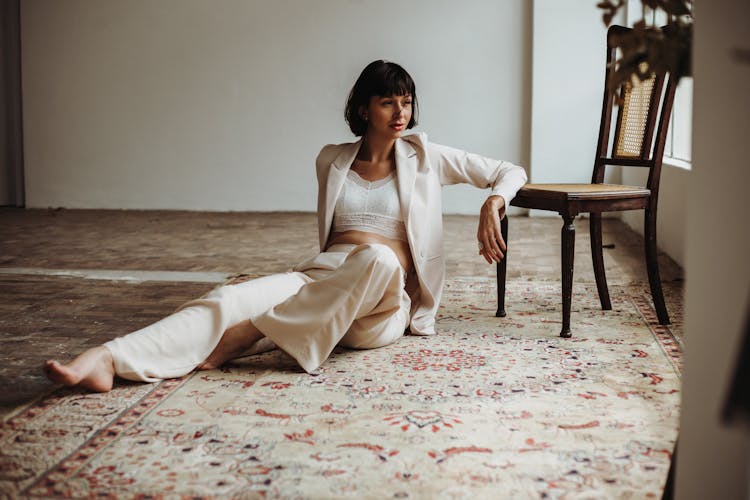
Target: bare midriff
{"x": 400, "y": 248}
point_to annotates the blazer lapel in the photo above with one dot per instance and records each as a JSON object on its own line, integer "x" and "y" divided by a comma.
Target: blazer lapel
{"x": 406, "y": 174}
{"x": 336, "y": 177}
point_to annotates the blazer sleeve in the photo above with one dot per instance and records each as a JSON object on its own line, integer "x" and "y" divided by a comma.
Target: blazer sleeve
{"x": 455, "y": 166}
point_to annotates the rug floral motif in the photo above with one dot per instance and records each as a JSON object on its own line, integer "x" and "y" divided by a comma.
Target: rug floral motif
{"x": 489, "y": 408}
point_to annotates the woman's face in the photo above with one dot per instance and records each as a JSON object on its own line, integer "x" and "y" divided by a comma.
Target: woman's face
{"x": 388, "y": 116}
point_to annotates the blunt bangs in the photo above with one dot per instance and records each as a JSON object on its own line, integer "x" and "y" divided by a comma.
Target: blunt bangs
{"x": 394, "y": 81}
{"x": 379, "y": 78}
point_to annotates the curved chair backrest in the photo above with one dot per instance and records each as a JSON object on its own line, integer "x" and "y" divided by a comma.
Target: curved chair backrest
{"x": 641, "y": 124}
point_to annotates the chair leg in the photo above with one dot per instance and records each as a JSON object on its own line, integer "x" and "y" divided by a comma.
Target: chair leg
{"x": 595, "y": 228}
{"x": 501, "y": 271}
{"x": 568, "y": 243}
{"x": 652, "y": 265}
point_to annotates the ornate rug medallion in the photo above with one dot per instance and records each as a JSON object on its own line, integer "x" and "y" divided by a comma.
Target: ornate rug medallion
{"x": 489, "y": 407}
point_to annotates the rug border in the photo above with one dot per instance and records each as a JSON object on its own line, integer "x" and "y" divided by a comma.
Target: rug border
{"x": 669, "y": 343}
{"x": 74, "y": 461}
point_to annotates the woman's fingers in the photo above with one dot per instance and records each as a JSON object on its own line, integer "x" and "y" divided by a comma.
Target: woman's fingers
{"x": 496, "y": 248}
{"x": 499, "y": 238}
{"x": 490, "y": 248}
{"x": 491, "y": 244}
{"x": 489, "y": 237}
{"x": 483, "y": 246}
{"x": 486, "y": 257}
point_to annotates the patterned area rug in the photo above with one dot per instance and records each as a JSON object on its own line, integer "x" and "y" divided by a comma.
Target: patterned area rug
{"x": 490, "y": 407}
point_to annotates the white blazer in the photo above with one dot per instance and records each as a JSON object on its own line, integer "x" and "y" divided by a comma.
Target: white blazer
{"x": 422, "y": 168}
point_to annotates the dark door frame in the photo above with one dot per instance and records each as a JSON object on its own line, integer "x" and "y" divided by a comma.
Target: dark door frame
{"x": 11, "y": 135}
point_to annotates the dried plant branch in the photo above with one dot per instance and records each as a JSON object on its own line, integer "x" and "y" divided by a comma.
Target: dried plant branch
{"x": 648, "y": 49}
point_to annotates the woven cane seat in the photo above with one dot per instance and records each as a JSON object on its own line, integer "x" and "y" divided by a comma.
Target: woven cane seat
{"x": 582, "y": 191}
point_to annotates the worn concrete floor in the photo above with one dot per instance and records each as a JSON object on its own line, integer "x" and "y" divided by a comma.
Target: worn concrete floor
{"x": 72, "y": 279}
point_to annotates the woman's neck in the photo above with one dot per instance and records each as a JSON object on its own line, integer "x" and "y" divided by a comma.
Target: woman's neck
{"x": 375, "y": 149}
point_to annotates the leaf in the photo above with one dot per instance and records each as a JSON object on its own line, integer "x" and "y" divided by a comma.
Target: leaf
{"x": 610, "y": 10}
{"x": 664, "y": 50}
{"x": 677, "y": 7}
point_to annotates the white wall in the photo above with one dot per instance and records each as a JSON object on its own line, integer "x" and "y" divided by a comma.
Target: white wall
{"x": 224, "y": 105}
{"x": 712, "y": 459}
{"x": 569, "y": 50}
{"x": 671, "y": 221}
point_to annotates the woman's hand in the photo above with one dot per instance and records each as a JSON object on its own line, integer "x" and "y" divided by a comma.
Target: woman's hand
{"x": 490, "y": 240}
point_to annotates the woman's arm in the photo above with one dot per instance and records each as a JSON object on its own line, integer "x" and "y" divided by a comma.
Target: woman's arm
{"x": 456, "y": 166}
{"x": 504, "y": 179}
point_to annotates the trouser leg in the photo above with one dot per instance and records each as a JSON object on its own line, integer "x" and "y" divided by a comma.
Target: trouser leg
{"x": 177, "y": 344}
{"x": 361, "y": 304}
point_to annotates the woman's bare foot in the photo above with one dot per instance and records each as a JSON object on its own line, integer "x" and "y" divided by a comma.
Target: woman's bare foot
{"x": 233, "y": 343}
{"x": 94, "y": 370}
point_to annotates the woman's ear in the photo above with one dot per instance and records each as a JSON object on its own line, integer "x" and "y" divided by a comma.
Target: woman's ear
{"x": 363, "y": 112}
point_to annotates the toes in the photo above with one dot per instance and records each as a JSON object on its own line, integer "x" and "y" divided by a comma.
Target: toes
{"x": 51, "y": 368}
{"x": 61, "y": 373}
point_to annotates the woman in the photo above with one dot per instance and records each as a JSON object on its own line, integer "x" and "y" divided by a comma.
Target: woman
{"x": 380, "y": 271}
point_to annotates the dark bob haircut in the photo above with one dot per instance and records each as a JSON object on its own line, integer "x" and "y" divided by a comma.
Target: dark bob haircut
{"x": 379, "y": 78}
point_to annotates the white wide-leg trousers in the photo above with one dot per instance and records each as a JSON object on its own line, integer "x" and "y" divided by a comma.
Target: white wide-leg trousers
{"x": 352, "y": 295}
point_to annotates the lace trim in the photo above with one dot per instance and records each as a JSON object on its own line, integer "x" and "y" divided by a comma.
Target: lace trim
{"x": 370, "y": 223}
{"x": 354, "y": 176}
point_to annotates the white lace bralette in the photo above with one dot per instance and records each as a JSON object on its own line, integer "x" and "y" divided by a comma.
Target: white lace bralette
{"x": 372, "y": 207}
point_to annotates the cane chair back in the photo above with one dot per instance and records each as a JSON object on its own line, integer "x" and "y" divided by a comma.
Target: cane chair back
{"x": 641, "y": 122}
{"x": 634, "y": 116}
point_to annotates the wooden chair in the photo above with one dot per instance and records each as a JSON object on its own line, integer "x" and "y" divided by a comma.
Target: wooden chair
{"x": 640, "y": 133}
